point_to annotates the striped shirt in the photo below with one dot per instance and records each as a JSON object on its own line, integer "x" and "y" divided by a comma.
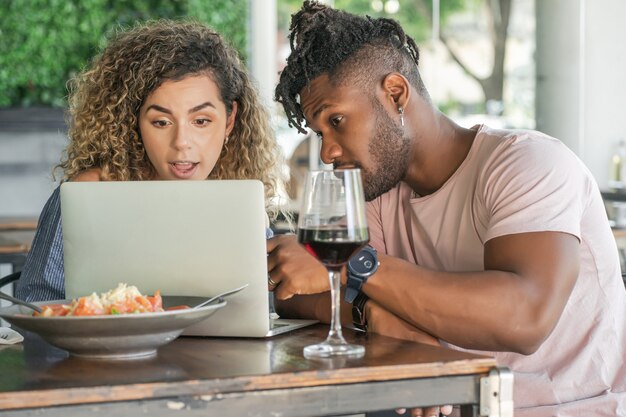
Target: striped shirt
{"x": 43, "y": 276}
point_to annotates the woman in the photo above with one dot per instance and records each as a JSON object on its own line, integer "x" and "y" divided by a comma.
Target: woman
{"x": 164, "y": 100}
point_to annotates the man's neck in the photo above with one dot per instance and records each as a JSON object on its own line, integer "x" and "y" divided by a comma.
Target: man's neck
{"x": 439, "y": 148}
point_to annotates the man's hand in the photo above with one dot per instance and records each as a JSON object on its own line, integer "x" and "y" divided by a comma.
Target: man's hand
{"x": 293, "y": 270}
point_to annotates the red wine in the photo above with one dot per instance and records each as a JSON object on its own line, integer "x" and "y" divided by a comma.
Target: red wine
{"x": 333, "y": 247}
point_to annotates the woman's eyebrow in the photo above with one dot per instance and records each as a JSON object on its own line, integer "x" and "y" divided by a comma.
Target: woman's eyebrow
{"x": 158, "y": 108}
{"x": 201, "y": 106}
{"x": 191, "y": 110}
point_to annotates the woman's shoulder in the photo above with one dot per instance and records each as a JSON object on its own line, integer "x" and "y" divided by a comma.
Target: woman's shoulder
{"x": 92, "y": 174}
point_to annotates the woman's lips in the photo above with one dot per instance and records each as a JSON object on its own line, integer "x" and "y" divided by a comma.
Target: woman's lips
{"x": 183, "y": 170}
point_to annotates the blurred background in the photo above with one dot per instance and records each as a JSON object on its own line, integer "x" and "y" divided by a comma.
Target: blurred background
{"x": 552, "y": 65}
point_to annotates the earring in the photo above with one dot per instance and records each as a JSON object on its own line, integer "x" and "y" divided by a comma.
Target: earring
{"x": 401, "y": 111}
{"x": 226, "y": 139}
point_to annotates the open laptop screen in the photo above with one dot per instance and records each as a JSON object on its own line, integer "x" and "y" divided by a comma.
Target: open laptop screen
{"x": 180, "y": 237}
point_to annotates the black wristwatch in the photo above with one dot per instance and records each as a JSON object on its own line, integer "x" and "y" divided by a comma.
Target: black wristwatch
{"x": 360, "y": 267}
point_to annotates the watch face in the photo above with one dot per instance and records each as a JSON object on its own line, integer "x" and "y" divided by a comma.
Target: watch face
{"x": 363, "y": 262}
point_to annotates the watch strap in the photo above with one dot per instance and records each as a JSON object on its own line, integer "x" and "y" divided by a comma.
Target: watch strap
{"x": 358, "y": 312}
{"x": 353, "y": 288}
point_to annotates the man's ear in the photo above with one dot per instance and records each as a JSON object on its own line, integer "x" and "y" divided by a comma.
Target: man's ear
{"x": 230, "y": 121}
{"x": 397, "y": 88}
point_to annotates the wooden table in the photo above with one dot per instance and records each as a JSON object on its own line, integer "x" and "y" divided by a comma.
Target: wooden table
{"x": 16, "y": 237}
{"x": 14, "y": 246}
{"x": 17, "y": 223}
{"x": 244, "y": 377}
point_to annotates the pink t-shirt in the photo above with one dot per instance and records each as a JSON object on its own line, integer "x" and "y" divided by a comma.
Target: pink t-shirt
{"x": 516, "y": 182}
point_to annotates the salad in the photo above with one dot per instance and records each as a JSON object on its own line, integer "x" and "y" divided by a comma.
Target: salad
{"x": 124, "y": 299}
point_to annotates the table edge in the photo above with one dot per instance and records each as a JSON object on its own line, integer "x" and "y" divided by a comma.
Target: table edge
{"x": 154, "y": 390}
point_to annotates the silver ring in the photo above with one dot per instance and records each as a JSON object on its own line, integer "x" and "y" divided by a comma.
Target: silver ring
{"x": 271, "y": 281}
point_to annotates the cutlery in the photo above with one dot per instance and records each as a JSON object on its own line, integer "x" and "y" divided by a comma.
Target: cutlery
{"x": 224, "y": 294}
{"x": 9, "y": 336}
{"x": 18, "y": 301}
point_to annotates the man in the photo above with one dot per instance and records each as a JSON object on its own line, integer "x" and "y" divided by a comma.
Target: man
{"x": 490, "y": 240}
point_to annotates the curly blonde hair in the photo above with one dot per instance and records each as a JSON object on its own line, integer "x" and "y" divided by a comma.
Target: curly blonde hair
{"x": 105, "y": 99}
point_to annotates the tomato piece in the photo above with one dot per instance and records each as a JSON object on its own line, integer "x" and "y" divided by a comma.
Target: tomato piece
{"x": 59, "y": 309}
{"x": 156, "y": 301}
{"x": 86, "y": 308}
{"x": 141, "y": 304}
{"x": 53, "y": 310}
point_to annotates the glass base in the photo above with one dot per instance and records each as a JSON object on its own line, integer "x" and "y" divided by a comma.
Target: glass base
{"x": 328, "y": 350}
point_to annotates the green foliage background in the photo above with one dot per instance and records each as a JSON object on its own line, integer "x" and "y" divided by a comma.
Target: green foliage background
{"x": 44, "y": 42}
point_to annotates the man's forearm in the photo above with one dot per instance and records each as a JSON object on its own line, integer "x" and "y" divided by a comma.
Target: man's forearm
{"x": 503, "y": 313}
{"x": 313, "y": 306}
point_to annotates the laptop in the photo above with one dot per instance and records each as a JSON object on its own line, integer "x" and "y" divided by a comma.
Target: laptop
{"x": 180, "y": 237}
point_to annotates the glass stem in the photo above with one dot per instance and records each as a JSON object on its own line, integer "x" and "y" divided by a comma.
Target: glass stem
{"x": 334, "y": 335}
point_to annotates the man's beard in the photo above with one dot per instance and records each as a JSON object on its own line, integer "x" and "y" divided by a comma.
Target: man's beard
{"x": 390, "y": 153}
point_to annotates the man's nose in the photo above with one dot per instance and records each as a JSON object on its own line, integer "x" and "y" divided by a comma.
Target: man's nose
{"x": 330, "y": 150}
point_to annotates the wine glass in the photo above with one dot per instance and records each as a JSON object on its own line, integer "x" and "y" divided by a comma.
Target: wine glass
{"x": 332, "y": 226}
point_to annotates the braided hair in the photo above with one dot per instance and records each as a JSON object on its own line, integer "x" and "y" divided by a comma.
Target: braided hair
{"x": 346, "y": 47}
